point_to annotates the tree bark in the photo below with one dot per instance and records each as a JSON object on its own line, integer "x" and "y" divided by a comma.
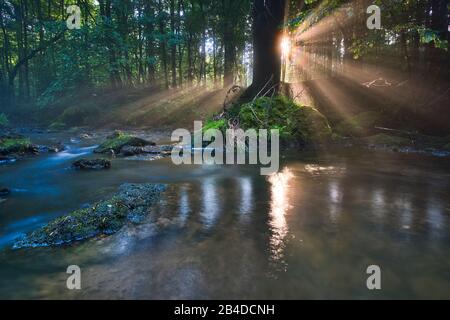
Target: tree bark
{"x": 268, "y": 18}
{"x": 173, "y": 47}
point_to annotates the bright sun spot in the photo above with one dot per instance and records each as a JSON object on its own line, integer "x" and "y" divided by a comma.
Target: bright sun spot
{"x": 285, "y": 46}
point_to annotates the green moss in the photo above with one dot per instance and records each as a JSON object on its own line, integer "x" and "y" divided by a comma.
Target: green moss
{"x": 3, "y": 120}
{"x": 14, "y": 145}
{"x": 296, "y": 123}
{"x": 119, "y": 140}
{"x": 220, "y": 124}
{"x": 388, "y": 140}
{"x": 358, "y": 125}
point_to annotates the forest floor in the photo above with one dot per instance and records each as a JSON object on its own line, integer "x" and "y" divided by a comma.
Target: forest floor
{"x": 136, "y": 109}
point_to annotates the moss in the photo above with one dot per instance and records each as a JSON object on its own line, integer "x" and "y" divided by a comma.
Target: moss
{"x": 119, "y": 140}
{"x": 103, "y": 218}
{"x": 10, "y": 145}
{"x": 4, "y": 122}
{"x": 296, "y": 123}
{"x": 220, "y": 124}
{"x": 388, "y": 141}
{"x": 358, "y": 125}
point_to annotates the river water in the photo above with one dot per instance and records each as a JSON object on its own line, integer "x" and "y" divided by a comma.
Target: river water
{"x": 225, "y": 232}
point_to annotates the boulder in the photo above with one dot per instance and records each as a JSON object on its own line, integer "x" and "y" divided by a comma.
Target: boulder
{"x": 92, "y": 164}
{"x": 118, "y": 140}
{"x": 15, "y": 144}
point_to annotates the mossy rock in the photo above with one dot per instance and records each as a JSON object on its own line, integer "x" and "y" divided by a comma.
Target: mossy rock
{"x": 359, "y": 125}
{"x": 299, "y": 124}
{"x": 386, "y": 140}
{"x": 131, "y": 204}
{"x": 118, "y": 140}
{"x": 15, "y": 145}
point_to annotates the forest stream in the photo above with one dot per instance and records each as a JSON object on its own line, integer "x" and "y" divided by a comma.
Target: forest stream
{"x": 226, "y": 232}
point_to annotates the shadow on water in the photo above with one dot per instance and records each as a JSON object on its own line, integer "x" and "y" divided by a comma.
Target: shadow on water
{"x": 309, "y": 231}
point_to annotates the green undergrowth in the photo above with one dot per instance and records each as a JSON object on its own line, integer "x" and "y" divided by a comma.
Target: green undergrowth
{"x": 301, "y": 125}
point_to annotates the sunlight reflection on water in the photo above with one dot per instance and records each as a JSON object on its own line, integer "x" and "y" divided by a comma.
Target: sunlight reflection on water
{"x": 279, "y": 186}
{"x": 246, "y": 189}
{"x": 211, "y": 206}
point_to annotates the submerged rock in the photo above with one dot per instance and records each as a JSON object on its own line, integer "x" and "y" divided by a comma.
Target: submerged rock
{"x": 163, "y": 150}
{"x": 7, "y": 159}
{"x": 4, "y": 191}
{"x": 118, "y": 140}
{"x": 92, "y": 164}
{"x": 86, "y": 136}
{"x": 52, "y": 149}
{"x": 131, "y": 204}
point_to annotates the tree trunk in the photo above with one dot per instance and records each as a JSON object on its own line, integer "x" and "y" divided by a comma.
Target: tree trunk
{"x": 173, "y": 47}
{"x": 163, "y": 44}
{"x": 268, "y": 18}
{"x": 150, "y": 40}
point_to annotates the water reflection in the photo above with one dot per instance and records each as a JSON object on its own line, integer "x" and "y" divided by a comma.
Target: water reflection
{"x": 324, "y": 170}
{"x": 210, "y": 202}
{"x": 335, "y": 200}
{"x": 435, "y": 215}
{"x": 279, "y": 187}
{"x": 406, "y": 213}
{"x": 184, "y": 205}
{"x": 246, "y": 203}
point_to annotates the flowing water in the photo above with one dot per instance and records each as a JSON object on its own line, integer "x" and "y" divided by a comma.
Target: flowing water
{"x": 225, "y": 232}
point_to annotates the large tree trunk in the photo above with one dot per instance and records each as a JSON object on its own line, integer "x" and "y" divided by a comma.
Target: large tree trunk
{"x": 268, "y": 18}
{"x": 173, "y": 47}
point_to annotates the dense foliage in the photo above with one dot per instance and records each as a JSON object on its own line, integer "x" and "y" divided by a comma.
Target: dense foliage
{"x": 121, "y": 43}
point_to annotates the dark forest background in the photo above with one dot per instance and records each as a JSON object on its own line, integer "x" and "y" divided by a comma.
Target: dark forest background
{"x": 129, "y": 49}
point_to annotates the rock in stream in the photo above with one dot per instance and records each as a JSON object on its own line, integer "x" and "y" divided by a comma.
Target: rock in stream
{"x": 129, "y": 205}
